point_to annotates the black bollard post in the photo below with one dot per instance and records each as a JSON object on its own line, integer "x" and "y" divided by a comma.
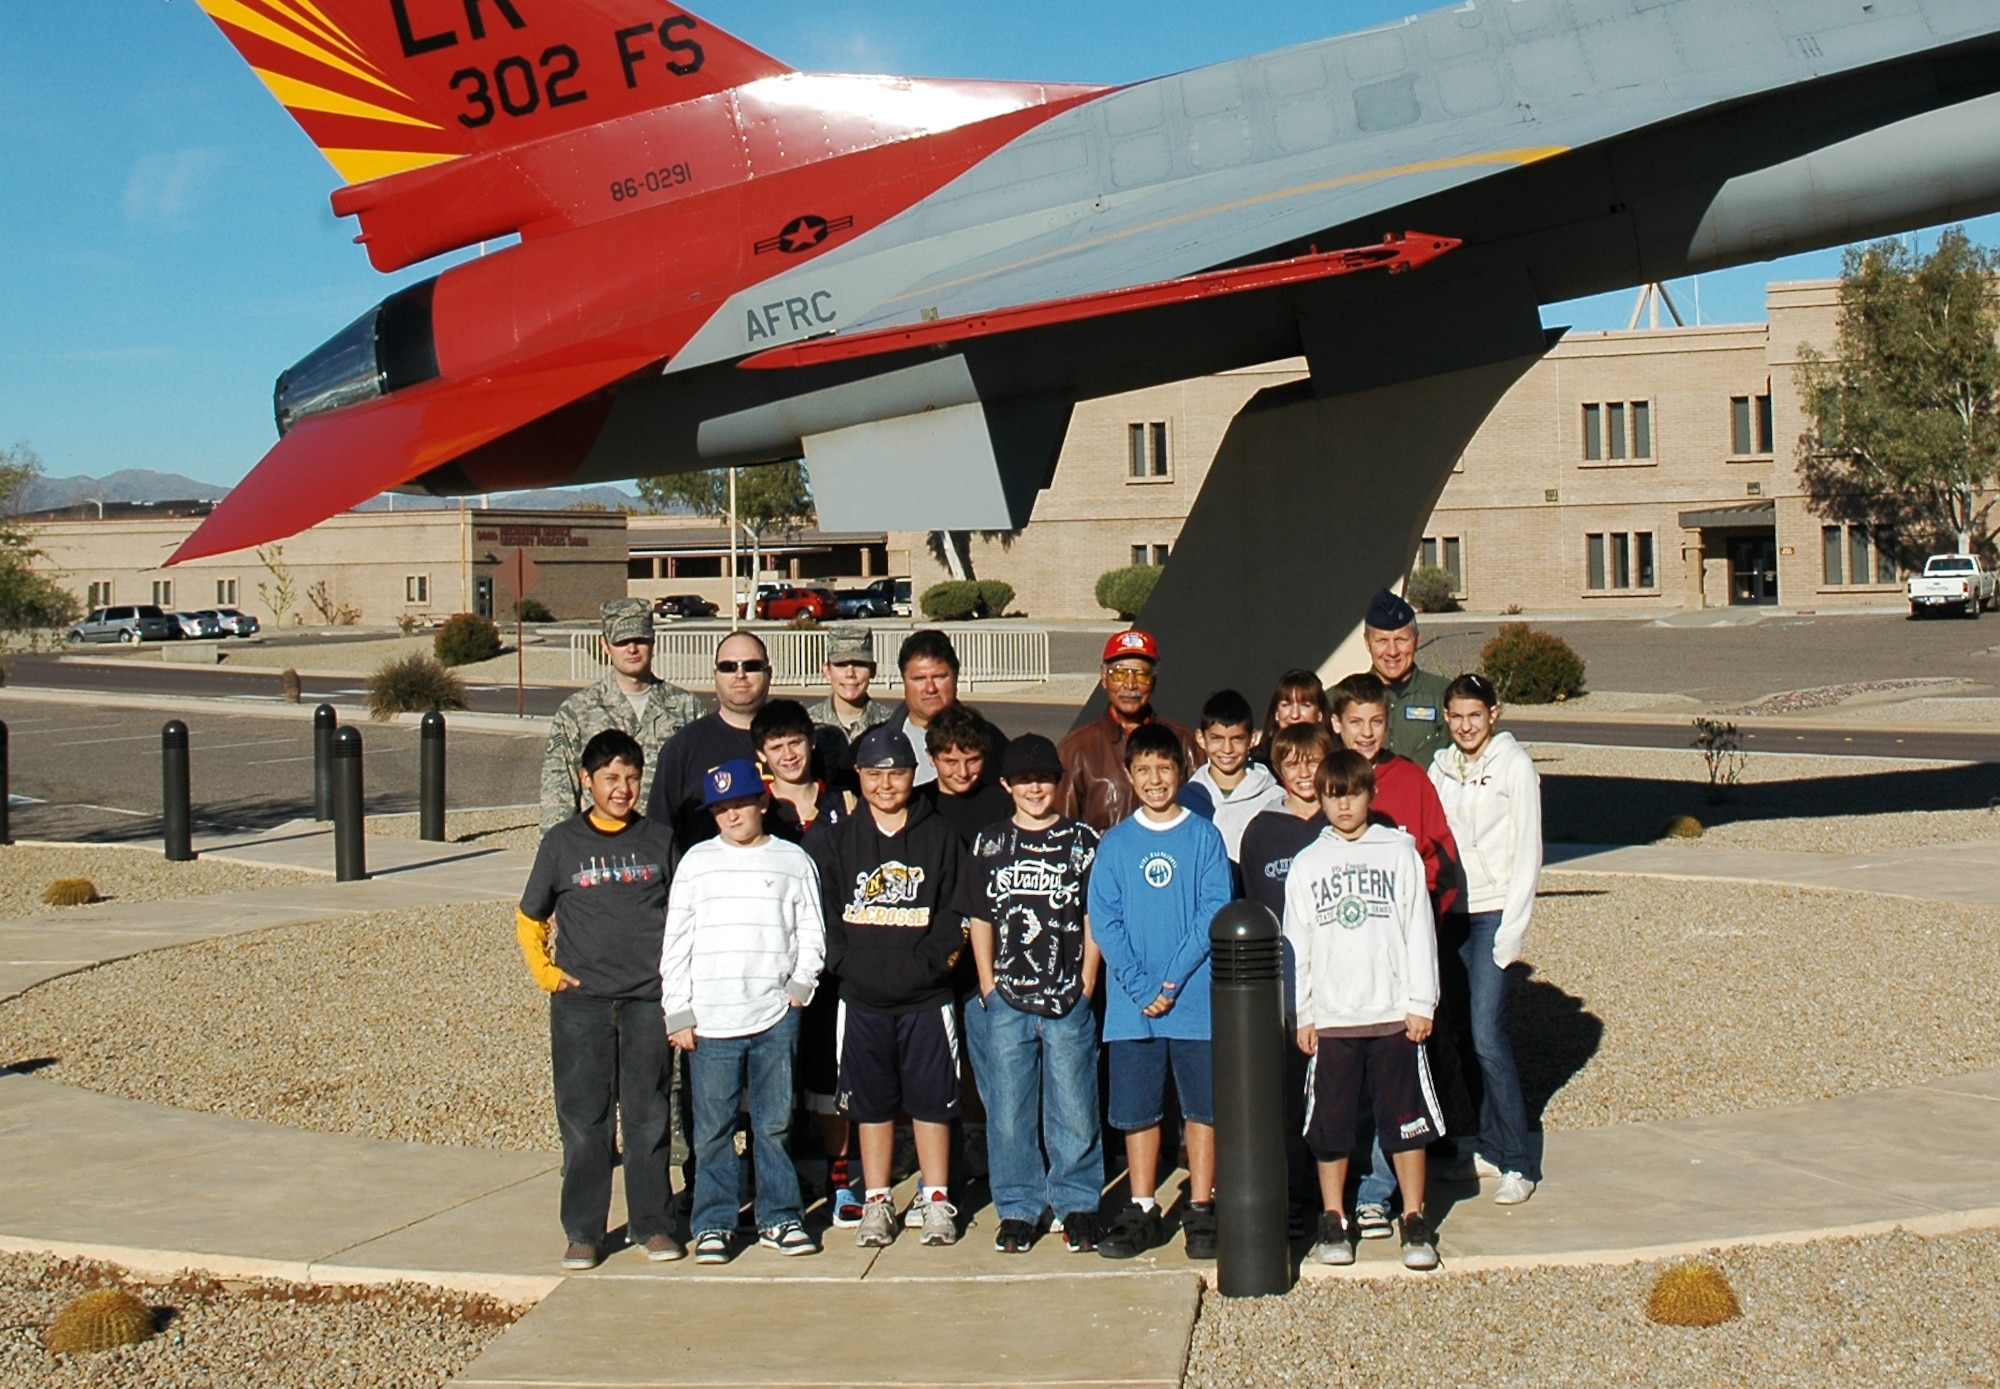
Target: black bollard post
{"x": 1247, "y": 1011}
{"x": 176, "y": 801}
{"x": 430, "y": 798}
{"x": 350, "y": 848}
{"x": 6, "y": 831}
{"x": 324, "y": 722}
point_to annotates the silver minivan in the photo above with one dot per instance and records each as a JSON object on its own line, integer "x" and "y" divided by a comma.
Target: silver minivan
{"x": 128, "y": 623}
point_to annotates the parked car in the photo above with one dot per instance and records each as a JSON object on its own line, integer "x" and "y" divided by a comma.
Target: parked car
{"x": 782, "y": 602}
{"x": 126, "y": 623}
{"x": 683, "y": 605}
{"x": 198, "y": 624}
{"x": 895, "y": 593}
{"x": 860, "y": 602}
{"x": 1952, "y": 582}
{"x": 233, "y": 621}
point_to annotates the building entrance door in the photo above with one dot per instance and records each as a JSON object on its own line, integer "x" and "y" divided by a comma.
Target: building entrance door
{"x": 482, "y": 597}
{"x": 1753, "y": 571}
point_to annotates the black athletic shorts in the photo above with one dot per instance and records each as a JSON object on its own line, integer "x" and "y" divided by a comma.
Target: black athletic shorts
{"x": 898, "y": 1061}
{"x": 1394, "y": 1073}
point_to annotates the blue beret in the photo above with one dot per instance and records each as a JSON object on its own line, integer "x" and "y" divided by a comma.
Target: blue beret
{"x": 1388, "y": 613}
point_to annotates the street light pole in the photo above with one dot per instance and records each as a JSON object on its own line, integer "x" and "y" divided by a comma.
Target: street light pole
{"x": 735, "y": 601}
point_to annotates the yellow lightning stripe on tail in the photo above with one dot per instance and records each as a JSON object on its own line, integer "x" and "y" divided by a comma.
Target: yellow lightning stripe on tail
{"x": 304, "y": 96}
{"x": 307, "y": 16}
{"x": 243, "y": 17}
{"x": 358, "y": 166}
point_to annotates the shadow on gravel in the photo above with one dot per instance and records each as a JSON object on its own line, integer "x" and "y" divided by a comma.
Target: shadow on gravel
{"x": 1630, "y": 810}
{"x": 1554, "y": 1038}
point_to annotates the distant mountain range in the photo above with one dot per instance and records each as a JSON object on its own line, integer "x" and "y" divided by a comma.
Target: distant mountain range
{"x": 143, "y": 485}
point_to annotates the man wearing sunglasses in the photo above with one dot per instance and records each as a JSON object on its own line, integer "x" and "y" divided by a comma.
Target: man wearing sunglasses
{"x": 630, "y": 698}
{"x": 742, "y": 687}
{"x": 1095, "y": 788}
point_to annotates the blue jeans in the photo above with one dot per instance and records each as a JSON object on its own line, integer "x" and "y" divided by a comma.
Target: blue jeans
{"x": 1038, "y": 1077}
{"x": 611, "y": 1054}
{"x": 723, "y": 1072}
{"x": 1503, "y": 1114}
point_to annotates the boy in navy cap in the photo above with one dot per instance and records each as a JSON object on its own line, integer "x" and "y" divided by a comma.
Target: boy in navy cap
{"x": 895, "y": 885}
{"x": 741, "y": 957}
{"x": 1416, "y": 697}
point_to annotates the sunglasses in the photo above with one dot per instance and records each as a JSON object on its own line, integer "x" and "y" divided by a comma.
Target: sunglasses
{"x": 752, "y": 667}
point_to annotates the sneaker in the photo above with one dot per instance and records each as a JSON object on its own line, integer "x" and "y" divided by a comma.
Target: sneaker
{"x": 665, "y": 1249}
{"x": 1514, "y": 1189}
{"x": 1374, "y": 1222}
{"x": 877, "y": 1227}
{"x": 1132, "y": 1233}
{"x": 940, "y": 1222}
{"x": 580, "y": 1256}
{"x": 1419, "y": 1244}
{"x": 711, "y": 1247}
{"x": 847, "y": 1203}
{"x": 1469, "y": 1168}
{"x": 789, "y": 1239}
{"x": 1080, "y": 1231}
{"x": 1014, "y": 1237}
{"x": 913, "y": 1218}
{"x": 1335, "y": 1244}
{"x": 1198, "y": 1227}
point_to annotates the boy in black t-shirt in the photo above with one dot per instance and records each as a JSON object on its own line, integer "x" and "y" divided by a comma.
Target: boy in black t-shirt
{"x": 960, "y": 742}
{"x": 1033, "y": 1035}
{"x": 605, "y": 872}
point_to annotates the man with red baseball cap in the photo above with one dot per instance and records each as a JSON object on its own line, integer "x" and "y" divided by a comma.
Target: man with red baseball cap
{"x": 1095, "y": 788}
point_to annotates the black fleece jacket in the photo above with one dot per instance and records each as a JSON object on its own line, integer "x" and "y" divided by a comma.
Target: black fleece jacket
{"x": 895, "y": 908}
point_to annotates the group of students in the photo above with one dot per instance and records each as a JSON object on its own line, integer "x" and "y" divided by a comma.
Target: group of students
{"x": 849, "y": 938}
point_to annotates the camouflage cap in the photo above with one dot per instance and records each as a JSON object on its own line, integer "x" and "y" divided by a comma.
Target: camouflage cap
{"x": 627, "y": 619}
{"x": 850, "y": 644}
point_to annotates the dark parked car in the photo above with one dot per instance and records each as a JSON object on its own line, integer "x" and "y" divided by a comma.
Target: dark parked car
{"x": 784, "y": 602}
{"x": 683, "y": 605}
{"x": 127, "y": 623}
{"x": 233, "y": 621}
{"x": 860, "y": 602}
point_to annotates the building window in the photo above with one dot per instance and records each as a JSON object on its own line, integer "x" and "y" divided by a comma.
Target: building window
{"x": 417, "y": 588}
{"x": 640, "y": 568}
{"x": 1621, "y": 560}
{"x": 1160, "y": 553}
{"x": 1750, "y": 424}
{"x": 1154, "y": 555}
{"x": 1443, "y": 552}
{"x": 100, "y": 595}
{"x": 225, "y": 593}
{"x": 163, "y": 593}
{"x": 1617, "y": 431}
{"x": 1146, "y": 447}
{"x": 1856, "y": 555}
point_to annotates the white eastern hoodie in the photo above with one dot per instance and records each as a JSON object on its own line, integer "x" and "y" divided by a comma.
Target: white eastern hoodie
{"x": 745, "y": 936}
{"x": 1493, "y": 804}
{"x": 1358, "y": 920}
{"x": 1231, "y": 812}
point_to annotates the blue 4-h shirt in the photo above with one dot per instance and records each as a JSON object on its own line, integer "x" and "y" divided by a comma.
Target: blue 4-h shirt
{"x": 1153, "y": 892}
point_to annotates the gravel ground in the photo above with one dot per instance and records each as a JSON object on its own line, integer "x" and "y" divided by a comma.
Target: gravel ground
{"x": 1974, "y": 709}
{"x": 1593, "y": 795}
{"x": 122, "y": 875}
{"x": 271, "y": 1335}
{"x": 419, "y": 1025}
{"x": 511, "y": 827}
{"x": 1747, "y": 997}
{"x": 1891, "y": 1309}
{"x": 1831, "y": 696}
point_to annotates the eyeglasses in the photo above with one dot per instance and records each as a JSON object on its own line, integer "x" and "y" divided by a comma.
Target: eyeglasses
{"x": 1129, "y": 675}
{"x": 747, "y": 667}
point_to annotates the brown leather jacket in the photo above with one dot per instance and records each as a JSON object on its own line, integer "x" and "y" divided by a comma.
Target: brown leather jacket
{"x": 1095, "y": 788}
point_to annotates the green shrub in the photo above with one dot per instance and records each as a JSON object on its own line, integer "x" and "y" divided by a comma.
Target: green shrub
{"x": 1430, "y": 590}
{"x": 1530, "y": 667}
{"x": 466, "y": 640}
{"x": 1125, "y": 591}
{"x": 533, "y": 610}
{"x": 954, "y": 600}
{"x": 413, "y": 684}
{"x": 995, "y": 597}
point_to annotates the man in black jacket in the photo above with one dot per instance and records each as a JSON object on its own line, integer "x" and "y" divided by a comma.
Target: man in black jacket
{"x": 895, "y": 882}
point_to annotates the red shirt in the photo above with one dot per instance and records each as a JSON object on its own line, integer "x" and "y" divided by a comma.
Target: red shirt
{"x": 1405, "y": 798}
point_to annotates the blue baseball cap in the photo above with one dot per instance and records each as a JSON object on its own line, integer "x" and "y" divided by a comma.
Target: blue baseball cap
{"x": 735, "y": 780}
{"x": 884, "y": 746}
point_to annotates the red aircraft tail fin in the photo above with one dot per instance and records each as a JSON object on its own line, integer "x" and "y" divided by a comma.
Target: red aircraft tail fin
{"x": 382, "y": 86}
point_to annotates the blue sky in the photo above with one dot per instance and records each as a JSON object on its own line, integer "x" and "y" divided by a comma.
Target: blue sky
{"x": 169, "y": 249}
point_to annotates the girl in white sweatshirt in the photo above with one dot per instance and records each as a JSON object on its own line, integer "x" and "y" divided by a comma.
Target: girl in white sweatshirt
{"x": 1493, "y": 803}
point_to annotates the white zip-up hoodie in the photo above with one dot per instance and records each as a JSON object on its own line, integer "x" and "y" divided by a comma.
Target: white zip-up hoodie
{"x": 1493, "y": 804}
{"x": 745, "y": 936}
{"x": 1358, "y": 919}
{"x": 1232, "y": 811}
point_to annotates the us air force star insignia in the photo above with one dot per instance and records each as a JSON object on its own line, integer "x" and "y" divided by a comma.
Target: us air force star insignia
{"x": 1352, "y": 912}
{"x": 803, "y": 233}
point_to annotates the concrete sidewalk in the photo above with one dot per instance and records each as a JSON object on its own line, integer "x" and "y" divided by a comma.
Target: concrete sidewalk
{"x": 1967, "y": 872}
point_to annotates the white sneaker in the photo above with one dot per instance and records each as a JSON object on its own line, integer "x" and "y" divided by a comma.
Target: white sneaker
{"x": 940, "y": 1222}
{"x": 1514, "y": 1189}
{"x": 1470, "y": 1168}
{"x": 913, "y": 1218}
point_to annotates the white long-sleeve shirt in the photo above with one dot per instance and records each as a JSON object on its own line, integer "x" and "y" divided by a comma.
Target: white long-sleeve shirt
{"x": 745, "y": 936}
{"x": 1493, "y": 804}
{"x": 1232, "y": 811}
{"x": 1358, "y": 919}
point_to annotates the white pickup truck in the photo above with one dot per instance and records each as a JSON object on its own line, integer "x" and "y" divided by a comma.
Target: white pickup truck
{"x": 1952, "y": 583}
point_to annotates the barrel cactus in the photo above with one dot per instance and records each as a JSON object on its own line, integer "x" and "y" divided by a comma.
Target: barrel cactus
{"x": 70, "y": 892}
{"x": 1692, "y": 1294}
{"x": 1680, "y": 827}
{"x": 100, "y": 1320}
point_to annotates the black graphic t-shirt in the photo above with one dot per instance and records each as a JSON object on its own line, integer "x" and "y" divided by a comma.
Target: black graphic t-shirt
{"x": 1035, "y": 885}
{"x": 608, "y": 893}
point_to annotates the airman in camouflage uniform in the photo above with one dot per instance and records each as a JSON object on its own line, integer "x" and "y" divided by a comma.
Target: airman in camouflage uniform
{"x": 849, "y": 666}
{"x": 664, "y": 710}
